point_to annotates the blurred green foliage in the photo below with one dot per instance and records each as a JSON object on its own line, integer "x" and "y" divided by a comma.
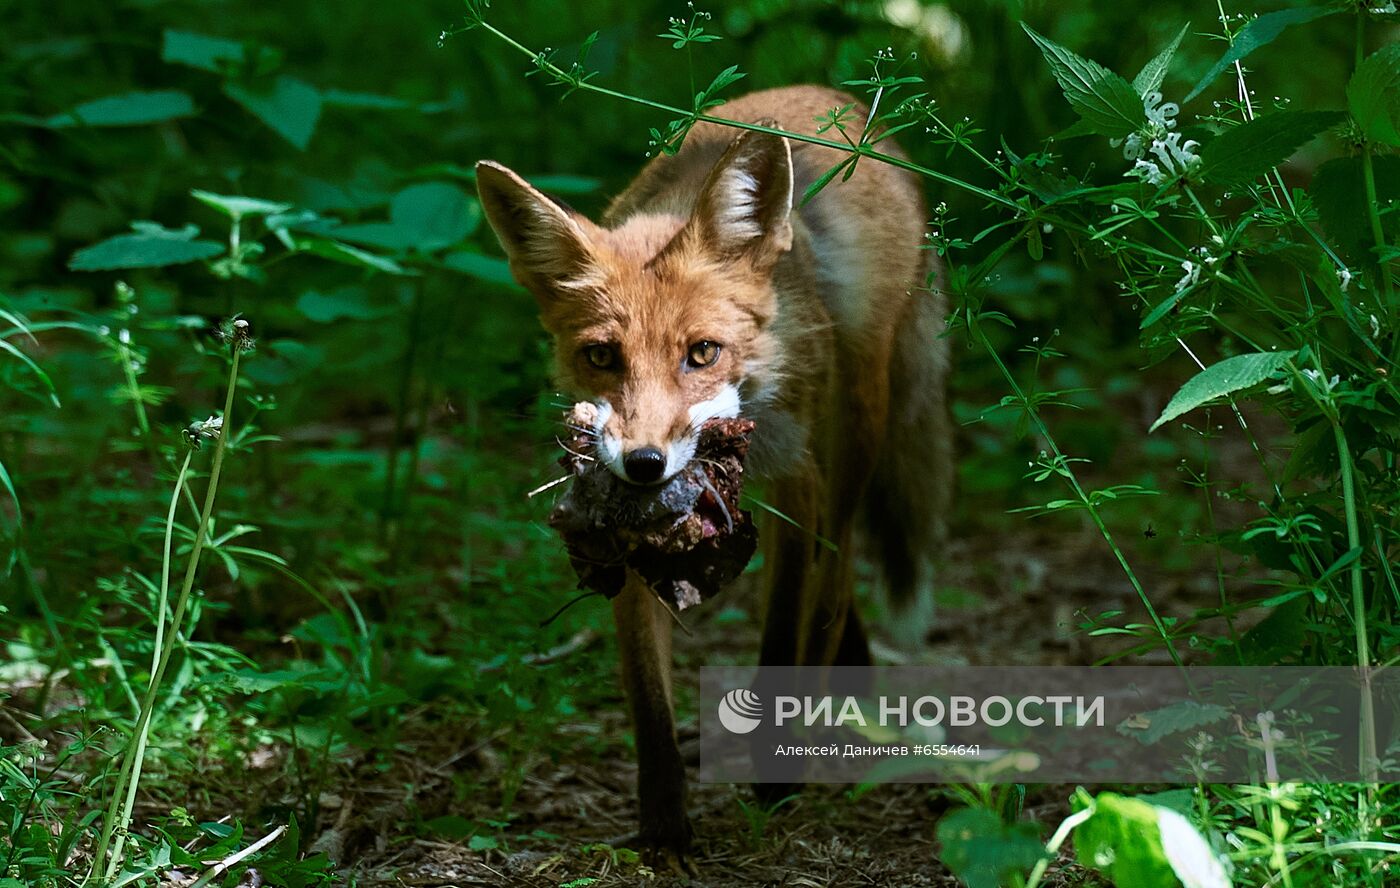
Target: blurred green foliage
{"x": 167, "y": 163}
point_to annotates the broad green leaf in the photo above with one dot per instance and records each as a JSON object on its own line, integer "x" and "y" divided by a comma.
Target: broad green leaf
{"x": 199, "y": 51}
{"x": 1218, "y": 380}
{"x": 1260, "y": 32}
{"x": 346, "y": 302}
{"x": 127, "y": 109}
{"x": 435, "y": 214}
{"x": 480, "y": 266}
{"x": 150, "y": 246}
{"x": 384, "y": 235}
{"x": 427, "y": 217}
{"x": 983, "y": 851}
{"x": 237, "y": 206}
{"x": 1374, "y": 95}
{"x": 289, "y": 106}
{"x": 1174, "y": 719}
{"x": 1339, "y": 193}
{"x": 1104, "y": 99}
{"x": 1274, "y": 637}
{"x": 1250, "y": 150}
{"x": 1135, "y": 843}
{"x": 349, "y": 255}
{"x": 1152, "y": 74}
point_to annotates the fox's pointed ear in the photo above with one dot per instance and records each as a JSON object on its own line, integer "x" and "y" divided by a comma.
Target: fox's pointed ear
{"x": 551, "y": 249}
{"x": 745, "y": 207}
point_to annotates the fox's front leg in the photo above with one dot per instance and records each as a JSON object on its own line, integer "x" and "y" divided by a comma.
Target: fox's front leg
{"x": 644, "y": 641}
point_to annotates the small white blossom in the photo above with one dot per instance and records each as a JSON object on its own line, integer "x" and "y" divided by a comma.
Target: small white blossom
{"x": 1322, "y": 382}
{"x": 1375, "y": 327}
{"x": 1191, "y": 277}
{"x": 1159, "y": 114}
{"x": 1344, "y": 278}
{"x": 1174, "y": 160}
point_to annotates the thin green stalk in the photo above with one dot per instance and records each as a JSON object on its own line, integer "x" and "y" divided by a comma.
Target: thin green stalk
{"x": 389, "y": 509}
{"x": 564, "y": 77}
{"x": 143, "y": 423}
{"x": 165, "y": 560}
{"x": 118, "y": 818}
{"x": 1373, "y": 212}
{"x": 1367, "y": 744}
{"x": 1078, "y": 491}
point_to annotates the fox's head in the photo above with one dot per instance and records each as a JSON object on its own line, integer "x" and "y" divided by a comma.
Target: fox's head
{"x": 663, "y": 321}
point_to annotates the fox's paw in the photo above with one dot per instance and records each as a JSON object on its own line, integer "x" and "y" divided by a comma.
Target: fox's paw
{"x": 667, "y": 853}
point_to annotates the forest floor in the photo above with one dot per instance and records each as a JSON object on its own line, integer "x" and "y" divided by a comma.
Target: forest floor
{"x": 1014, "y": 599}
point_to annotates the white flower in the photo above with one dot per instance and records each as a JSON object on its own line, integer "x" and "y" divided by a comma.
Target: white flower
{"x": 1375, "y": 327}
{"x": 1174, "y": 160}
{"x": 210, "y": 428}
{"x": 1191, "y": 277}
{"x": 1132, "y": 146}
{"x": 1160, "y": 115}
{"x": 1344, "y": 278}
{"x": 1323, "y": 383}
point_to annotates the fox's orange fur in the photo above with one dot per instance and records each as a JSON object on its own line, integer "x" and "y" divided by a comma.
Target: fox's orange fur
{"x": 821, "y": 331}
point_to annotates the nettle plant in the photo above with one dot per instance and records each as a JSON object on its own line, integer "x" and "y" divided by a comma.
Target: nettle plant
{"x": 1279, "y": 294}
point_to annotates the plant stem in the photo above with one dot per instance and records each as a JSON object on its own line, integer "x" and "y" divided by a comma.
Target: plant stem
{"x": 1366, "y": 752}
{"x": 1089, "y": 507}
{"x": 564, "y": 77}
{"x": 118, "y": 818}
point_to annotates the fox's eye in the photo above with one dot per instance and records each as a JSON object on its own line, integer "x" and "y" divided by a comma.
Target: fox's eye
{"x": 604, "y": 357}
{"x": 702, "y": 354}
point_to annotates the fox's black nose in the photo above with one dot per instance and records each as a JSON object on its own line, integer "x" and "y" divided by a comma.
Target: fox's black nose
{"x": 644, "y": 465}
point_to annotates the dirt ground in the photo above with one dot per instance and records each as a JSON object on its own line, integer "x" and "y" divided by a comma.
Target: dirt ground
{"x": 1017, "y": 599}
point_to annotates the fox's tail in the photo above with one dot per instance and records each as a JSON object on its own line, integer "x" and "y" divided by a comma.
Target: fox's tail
{"x": 912, "y": 490}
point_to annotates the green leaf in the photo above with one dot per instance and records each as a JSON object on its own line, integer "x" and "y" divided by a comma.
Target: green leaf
{"x": 9, "y": 486}
{"x": 1373, "y": 94}
{"x": 383, "y": 235}
{"x": 434, "y": 214}
{"x": 983, "y": 851}
{"x": 1152, "y": 74}
{"x": 334, "y": 250}
{"x": 1339, "y": 193}
{"x": 1250, "y": 150}
{"x": 127, "y": 109}
{"x": 1104, "y": 99}
{"x": 1260, "y": 32}
{"x": 1175, "y": 719}
{"x": 1136, "y": 843}
{"x": 481, "y": 267}
{"x": 346, "y": 302}
{"x": 236, "y": 206}
{"x": 199, "y": 51}
{"x": 150, "y": 246}
{"x": 289, "y": 106}
{"x": 1276, "y": 636}
{"x": 26, "y": 360}
{"x": 1218, "y": 380}
{"x": 427, "y": 217}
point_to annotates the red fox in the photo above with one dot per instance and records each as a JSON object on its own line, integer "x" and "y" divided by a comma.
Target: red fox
{"x": 706, "y": 293}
